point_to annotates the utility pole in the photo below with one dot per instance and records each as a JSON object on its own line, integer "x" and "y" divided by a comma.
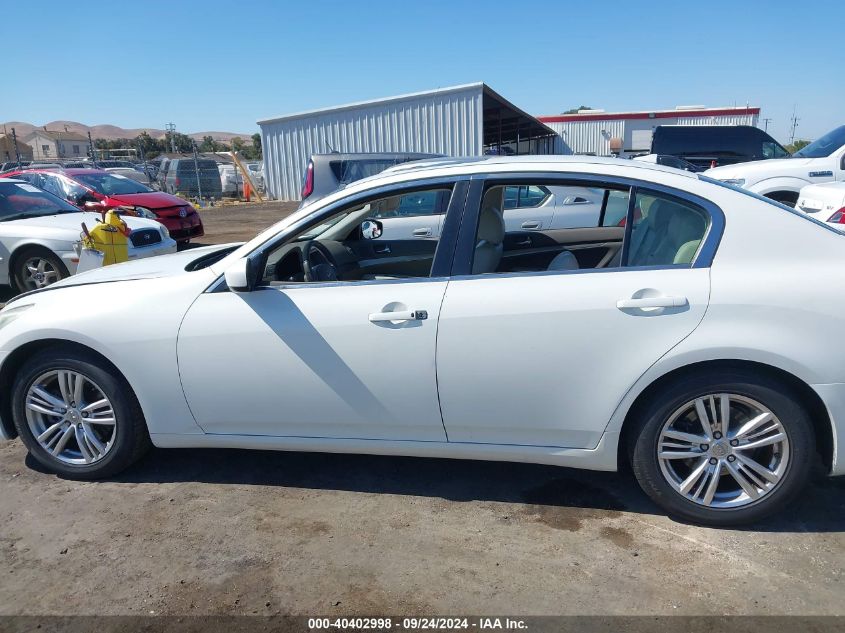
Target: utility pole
{"x": 794, "y": 124}
{"x": 17, "y": 153}
{"x": 171, "y": 130}
{"x": 91, "y": 149}
{"x": 766, "y": 124}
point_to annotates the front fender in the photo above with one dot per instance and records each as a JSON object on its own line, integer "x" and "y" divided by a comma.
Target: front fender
{"x": 780, "y": 183}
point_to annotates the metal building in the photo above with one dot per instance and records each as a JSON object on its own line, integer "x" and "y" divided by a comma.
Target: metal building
{"x": 604, "y": 133}
{"x": 463, "y": 120}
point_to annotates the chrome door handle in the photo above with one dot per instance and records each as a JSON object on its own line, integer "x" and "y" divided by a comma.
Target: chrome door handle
{"x": 531, "y": 224}
{"x": 652, "y": 302}
{"x": 382, "y": 250}
{"x": 424, "y": 232}
{"x": 399, "y": 315}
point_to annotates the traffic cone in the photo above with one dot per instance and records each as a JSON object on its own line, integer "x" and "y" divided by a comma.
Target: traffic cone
{"x": 247, "y": 191}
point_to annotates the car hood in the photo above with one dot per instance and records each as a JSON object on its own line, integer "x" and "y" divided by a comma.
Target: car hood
{"x": 67, "y": 226}
{"x": 151, "y": 200}
{"x": 757, "y": 169}
{"x": 147, "y": 268}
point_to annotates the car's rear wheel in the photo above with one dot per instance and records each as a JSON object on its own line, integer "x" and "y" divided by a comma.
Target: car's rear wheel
{"x": 37, "y": 268}
{"x": 77, "y": 418}
{"x": 723, "y": 448}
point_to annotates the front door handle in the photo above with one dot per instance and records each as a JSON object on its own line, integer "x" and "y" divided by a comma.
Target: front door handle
{"x": 531, "y": 224}
{"x": 399, "y": 315}
{"x": 652, "y": 302}
{"x": 423, "y": 232}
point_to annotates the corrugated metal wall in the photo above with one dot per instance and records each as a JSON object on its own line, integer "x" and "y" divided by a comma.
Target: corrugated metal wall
{"x": 593, "y": 137}
{"x": 447, "y": 122}
{"x": 586, "y": 137}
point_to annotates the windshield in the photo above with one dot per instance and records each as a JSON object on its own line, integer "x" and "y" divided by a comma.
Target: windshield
{"x": 825, "y": 146}
{"x": 22, "y": 200}
{"x": 111, "y": 184}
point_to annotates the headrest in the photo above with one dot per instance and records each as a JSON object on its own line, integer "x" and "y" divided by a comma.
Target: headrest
{"x": 491, "y": 225}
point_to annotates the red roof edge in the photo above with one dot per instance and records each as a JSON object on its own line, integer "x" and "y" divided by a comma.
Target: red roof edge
{"x": 665, "y": 114}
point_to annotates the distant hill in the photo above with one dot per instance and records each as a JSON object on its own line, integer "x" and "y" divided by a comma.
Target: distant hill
{"x": 110, "y": 131}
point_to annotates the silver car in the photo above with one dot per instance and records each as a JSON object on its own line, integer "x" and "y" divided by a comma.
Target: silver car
{"x": 39, "y": 231}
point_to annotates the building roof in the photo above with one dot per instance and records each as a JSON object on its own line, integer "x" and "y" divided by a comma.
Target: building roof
{"x": 57, "y": 135}
{"x": 600, "y": 115}
{"x": 360, "y": 104}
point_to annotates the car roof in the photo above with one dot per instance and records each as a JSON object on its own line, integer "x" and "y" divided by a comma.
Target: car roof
{"x": 520, "y": 163}
{"x": 451, "y": 167}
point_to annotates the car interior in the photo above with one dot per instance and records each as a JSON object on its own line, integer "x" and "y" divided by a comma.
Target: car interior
{"x": 372, "y": 240}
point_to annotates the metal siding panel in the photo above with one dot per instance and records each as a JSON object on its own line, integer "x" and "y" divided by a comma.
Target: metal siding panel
{"x": 441, "y": 123}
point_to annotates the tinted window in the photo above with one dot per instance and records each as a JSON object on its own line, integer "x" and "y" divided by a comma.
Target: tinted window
{"x": 202, "y": 165}
{"x": 825, "y": 146}
{"x": 525, "y": 196}
{"x": 347, "y": 171}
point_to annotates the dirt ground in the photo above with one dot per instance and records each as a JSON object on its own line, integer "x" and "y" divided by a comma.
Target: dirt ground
{"x": 193, "y": 532}
{"x": 241, "y": 222}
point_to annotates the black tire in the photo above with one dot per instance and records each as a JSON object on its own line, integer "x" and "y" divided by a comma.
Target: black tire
{"x": 131, "y": 440}
{"x": 778, "y": 397}
{"x": 19, "y": 272}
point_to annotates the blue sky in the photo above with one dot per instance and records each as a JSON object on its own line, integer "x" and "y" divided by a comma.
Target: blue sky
{"x": 222, "y": 65}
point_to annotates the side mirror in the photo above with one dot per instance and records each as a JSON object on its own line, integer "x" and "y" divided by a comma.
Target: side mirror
{"x": 842, "y": 163}
{"x": 371, "y": 229}
{"x": 242, "y": 276}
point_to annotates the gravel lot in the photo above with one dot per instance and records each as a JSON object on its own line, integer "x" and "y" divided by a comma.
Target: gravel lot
{"x": 234, "y": 532}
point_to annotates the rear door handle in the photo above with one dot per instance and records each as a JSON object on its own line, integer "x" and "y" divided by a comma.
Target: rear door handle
{"x": 423, "y": 232}
{"x": 399, "y": 315}
{"x": 531, "y": 224}
{"x": 652, "y": 302}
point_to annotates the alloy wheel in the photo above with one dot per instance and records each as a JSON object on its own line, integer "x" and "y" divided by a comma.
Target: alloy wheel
{"x": 723, "y": 450}
{"x": 70, "y": 416}
{"x": 39, "y": 272}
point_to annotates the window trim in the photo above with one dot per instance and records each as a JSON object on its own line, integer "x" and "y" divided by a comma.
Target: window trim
{"x": 443, "y": 255}
{"x": 462, "y": 265}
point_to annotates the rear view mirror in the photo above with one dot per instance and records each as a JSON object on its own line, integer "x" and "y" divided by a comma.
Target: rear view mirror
{"x": 371, "y": 229}
{"x": 242, "y": 276}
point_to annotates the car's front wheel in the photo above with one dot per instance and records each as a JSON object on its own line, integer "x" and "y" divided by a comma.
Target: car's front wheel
{"x": 76, "y": 416}
{"x": 37, "y": 268}
{"x": 723, "y": 448}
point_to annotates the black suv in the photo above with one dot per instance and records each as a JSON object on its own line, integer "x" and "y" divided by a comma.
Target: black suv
{"x": 724, "y": 144}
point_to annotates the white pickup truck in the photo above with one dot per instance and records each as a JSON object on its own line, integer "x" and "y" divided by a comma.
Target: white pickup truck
{"x": 781, "y": 179}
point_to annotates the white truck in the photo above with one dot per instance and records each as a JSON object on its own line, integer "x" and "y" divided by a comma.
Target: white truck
{"x": 782, "y": 179}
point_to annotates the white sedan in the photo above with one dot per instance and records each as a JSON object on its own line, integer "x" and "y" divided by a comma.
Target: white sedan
{"x": 38, "y": 232}
{"x": 825, "y": 202}
{"x": 683, "y": 342}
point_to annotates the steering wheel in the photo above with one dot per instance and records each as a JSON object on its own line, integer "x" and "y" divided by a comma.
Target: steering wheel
{"x": 318, "y": 263}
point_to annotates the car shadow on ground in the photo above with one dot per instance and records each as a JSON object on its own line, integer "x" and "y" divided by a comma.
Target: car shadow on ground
{"x": 548, "y": 490}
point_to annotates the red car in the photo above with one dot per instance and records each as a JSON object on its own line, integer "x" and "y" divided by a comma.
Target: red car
{"x": 80, "y": 186}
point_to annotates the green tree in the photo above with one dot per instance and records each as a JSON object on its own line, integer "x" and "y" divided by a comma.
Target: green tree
{"x": 575, "y": 110}
{"x": 796, "y": 145}
{"x": 237, "y": 144}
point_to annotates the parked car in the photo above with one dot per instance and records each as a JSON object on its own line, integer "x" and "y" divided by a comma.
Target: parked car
{"x": 38, "y": 232}
{"x": 231, "y": 181}
{"x": 525, "y": 208}
{"x": 669, "y": 161}
{"x": 256, "y": 173}
{"x": 112, "y": 190}
{"x": 180, "y": 177}
{"x": 670, "y": 343}
{"x": 825, "y": 202}
{"x": 132, "y": 174}
{"x": 703, "y": 145}
{"x": 107, "y": 163}
{"x": 822, "y": 160}
{"x": 326, "y": 173}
